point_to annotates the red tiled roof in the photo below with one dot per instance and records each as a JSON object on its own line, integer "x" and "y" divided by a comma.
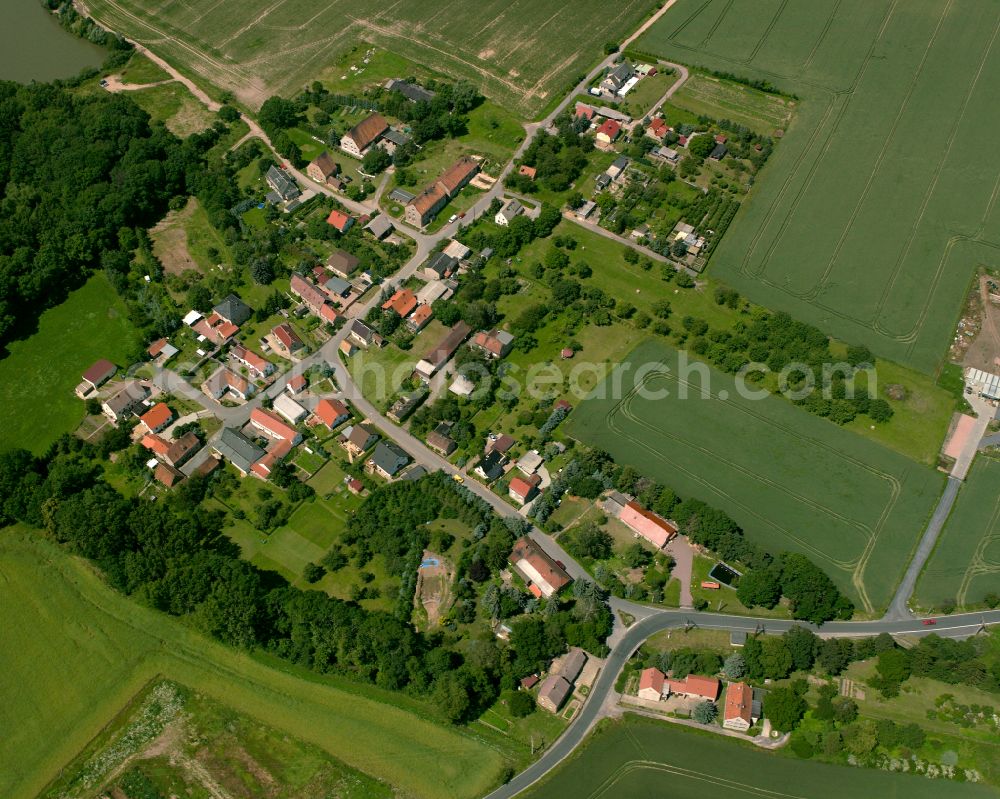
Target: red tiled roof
{"x": 286, "y": 335}
{"x": 697, "y": 685}
{"x": 156, "y": 347}
{"x": 611, "y": 128}
{"x": 168, "y": 475}
{"x": 584, "y": 110}
{"x": 402, "y": 302}
{"x": 250, "y": 358}
{"x": 521, "y": 487}
{"x": 99, "y": 371}
{"x": 272, "y": 424}
{"x": 298, "y": 382}
{"x": 536, "y": 565}
{"x": 157, "y": 416}
{"x": 155, "y": 444}
{"x": 527, "y": 171}
{"x": 339, "y": 220}
{"x": 651, "y": 678}
{"x": 421, "y": 314}
{"x": 658, "y": 128}
{"x": 458, "y": 173}
{"x": 739, "y": 702}
{"x": 329, "y": 411}
{"x": 654, "y": 529}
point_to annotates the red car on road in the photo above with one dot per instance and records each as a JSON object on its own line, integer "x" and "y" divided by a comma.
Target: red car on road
{"x": 928, "y": 622}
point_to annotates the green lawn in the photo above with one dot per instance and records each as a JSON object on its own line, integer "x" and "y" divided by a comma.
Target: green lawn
{"x": 965, "y": 564}
{"x": 638, "y": 758}
{"x": 856, "y": 224}
{"x": 176, "y": 107}
{"x": 75, "y": 653}
{"x": 705, "y": 95}
{"x": 39, "y": 374}
{"x": 141, "y": 70}
{"x": 381, "y": 371}
{"x": 791, "y": 480}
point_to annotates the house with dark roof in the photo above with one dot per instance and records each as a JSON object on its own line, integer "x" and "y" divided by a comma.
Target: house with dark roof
{"x": 363, "y": 336}
{"x": 125, "y": 402}
{"x": 240, "y": 451}
{"x": 411, "y": 91}
{"x": 361, "y": 438}
{"x": 439, "y": 356}
{"x": 401, "y": 195}
{"x": 439, "y": 265}
{"x": 322, "y": 167}
{"x": 283, "y": 186}
{"x": 380, "y": 227}
{"x": 181, "y": 449}
{"x": 343, "y": 263}
{"x": 387, "y": 460}
{"x": 403, "y": 407}
{"x": 233, "y": 310}
{"x": 553, "y": 692}
{"x": 719, "y": 151}
{"x": 506, "y": 214}
{"x": 363, "y": 135}
{"x": 618, "y": 77}
{"x": 490, "y": 466}
{"x": 439, "y": 439}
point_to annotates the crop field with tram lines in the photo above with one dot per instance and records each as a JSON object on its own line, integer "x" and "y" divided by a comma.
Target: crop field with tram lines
{"x": 521, "y": 54}
{"x": 872, "y": 215}
{"x": 793, "y": 481}
{"x": 965, "y": 564}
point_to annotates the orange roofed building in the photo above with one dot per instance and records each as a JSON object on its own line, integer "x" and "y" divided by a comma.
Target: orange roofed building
{"x": 540, "y": 571}
{"x": 695, "y": 685}
{"x": 739, "y": 711}
{"x": 655, "y": 529}
{"x": 403, "y": 302}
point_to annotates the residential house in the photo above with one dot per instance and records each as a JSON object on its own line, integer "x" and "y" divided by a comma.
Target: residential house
{"x": 440, "y": 355}
{"x": 337, "y": 288}
{"x": 403, "y": 302}
{"x": 584, "y": 111}
{"x": 99, "y": 374}
{"x": 495, "y": 344}
{"x": 530, "y": 462}
{"x": 665, "y": 154}
{"x": 403, "y": 407}
{"x": 355, "y": 486}
{"x": 296, "y": 384}
{"x": 125, "y": 402}
{"x": 426, "y": 205}
{"x": 739, "y": 710}
{"x": 155, "y": 444}
{"x": 343, "y": 263}
{"x": 380, "y": 227}
{"x": 614, "y": 503}
{"x": 457, "y": 250}
{"x": 527, "y": 171}
{"x": 167, "y": 475}
{"x": 361, "y": 438}
{"x": 364, "y": 336}
{"x": 289, "y": 408}
{"x": 718, "y": 152}
{"x": 323, "y": 167}
{"x": 524, "y": 489}
{"x": 695, "y": 686}
{"x": 363, "y": 135}
{"x": 223, "y": 381}
{"x": 584, "y": 211}
{"x": 207, "y": 466}
{"x": 432, "y": 291}
{"x": 543, "y": 575}
{"x": 157, "y": 418}
{"x": 501, "y": 444}
{"x": 616, "y": 79}
{"x": 387, "y": 459}
{"x": 657, "y": 129}
{"x": 505, "y": 215}
{"x": 340, "y": 221}
{"x": 332, "y": 412}
{"x": 255, "y": 364}
{"x": 181, "y": 449}
{"x": 419, "y": 318}
{"x": 309, "y": 293}
{"x": 651, "y": 682}
{"x": 655, "y": 529}
{"x": 162, "y": 350}
{"x": 233, "y": 310}
{"x": 394, "y": 139}
{"x": 233, "y": 446}
{"x": 439, "y": 439}
{"x": 215, "y": 329}
{"x": 572, "y": 664}
{"x": 609, "y": 131}
{"x": 411, "y": 91}
{"x": 602, "y": 181}
{"x": 287, "y": 338}
{"x": 276, "y": 452}
{"x": 271, "y": 425}
{"x": 618, "y": 167}
{"x": 439, "y": 265}
{"x": 283, "y": 187}
{"x": 553, "y": 692}
{"x": 491, "y": 465}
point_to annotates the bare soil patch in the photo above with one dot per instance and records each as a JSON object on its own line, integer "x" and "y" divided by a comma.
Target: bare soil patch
{"x": 433, "y": 593}
{"x": 170, "y": 240}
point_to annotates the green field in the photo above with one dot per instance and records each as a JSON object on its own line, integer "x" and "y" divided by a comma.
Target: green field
{"x": 75, "y": 653}
{"x": 639, "y": 758}
{"x": 864, "y": 222}
{"x": 790, "y": 479}
{"x": 705, "y": 95}
{"x": 965, "y": 564}
{"x": 519, "y": 54}
{"x": 37, "y": 378}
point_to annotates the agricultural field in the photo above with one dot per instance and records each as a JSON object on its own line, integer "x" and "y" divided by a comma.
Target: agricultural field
{"x": 171, "y": 741}
{"x": 705, "y": 95}
{"x": 68, "y": 635}
{"x": 92, "y": 323}
{"x": 519, "y": 54}
{"x": 791, "y": 480}
{"x": 638, "y": 758}
{"x": 965, "y": 564}
{"x": 861, "y": 223}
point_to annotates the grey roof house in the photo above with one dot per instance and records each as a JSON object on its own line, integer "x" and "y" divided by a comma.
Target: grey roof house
{"x": 283, "y": 186}
{"x": 387, "y": 459}
{"x": 236, "y": 448}
{"x": 233, "y": 309}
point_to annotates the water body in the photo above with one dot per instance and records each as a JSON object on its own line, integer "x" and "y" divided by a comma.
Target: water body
{"x": 34, "y": 47}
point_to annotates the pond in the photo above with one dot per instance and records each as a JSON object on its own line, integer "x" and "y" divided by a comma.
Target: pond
{"x": 34, "y": 47}
{"x": 723, "y": 573}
